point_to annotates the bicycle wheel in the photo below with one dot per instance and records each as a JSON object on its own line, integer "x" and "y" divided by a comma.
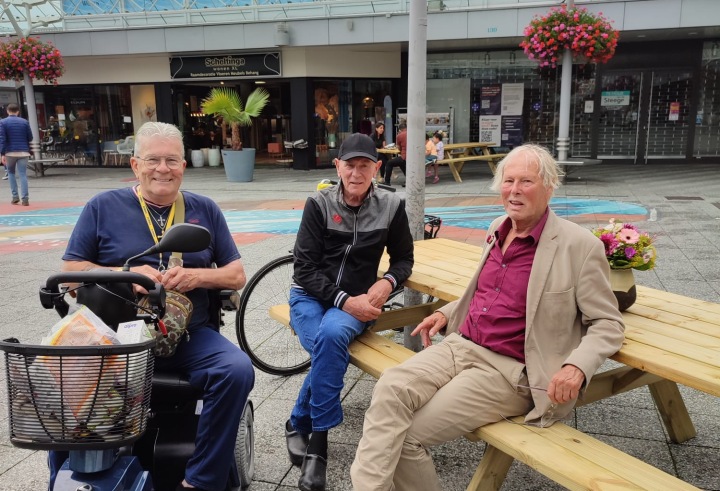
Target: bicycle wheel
{"x": 271, "y": 346}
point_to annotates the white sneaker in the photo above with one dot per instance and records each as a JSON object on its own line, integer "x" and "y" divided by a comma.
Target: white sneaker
{"x": 5, "y": 177}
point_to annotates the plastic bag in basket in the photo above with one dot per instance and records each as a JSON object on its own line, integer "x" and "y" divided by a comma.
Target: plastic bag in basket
{"x": 95, "y": 389}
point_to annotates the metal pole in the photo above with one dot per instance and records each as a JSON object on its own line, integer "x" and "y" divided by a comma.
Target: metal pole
{"x": 415, "y": 179}
{"x": 563, "y": 142}
{"x": 32, "y": 115}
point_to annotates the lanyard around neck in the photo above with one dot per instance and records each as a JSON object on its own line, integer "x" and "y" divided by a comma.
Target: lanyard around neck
{"x": 146, "y": 212}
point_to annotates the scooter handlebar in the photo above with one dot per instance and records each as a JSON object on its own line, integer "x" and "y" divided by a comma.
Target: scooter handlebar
{"x": 98, "y": 276}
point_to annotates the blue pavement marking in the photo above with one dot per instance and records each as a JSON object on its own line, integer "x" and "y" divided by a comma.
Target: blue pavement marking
{"x": 288, "y": 221}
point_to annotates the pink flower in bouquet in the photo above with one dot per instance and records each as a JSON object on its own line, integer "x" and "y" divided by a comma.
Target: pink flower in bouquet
{"x": 610, "y": 242}
{"x": 629, "y": 236}
{"x": 629, "y": 252}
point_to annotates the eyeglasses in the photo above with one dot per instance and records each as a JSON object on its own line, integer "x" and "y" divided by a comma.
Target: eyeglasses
{"x": 546, "y": 419}
{"x": 153, "y": 162}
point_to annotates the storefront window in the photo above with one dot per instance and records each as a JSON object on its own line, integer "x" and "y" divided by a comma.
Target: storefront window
{"x": 707, "y": 129}
{"x": 368, "y": 103}
{"x": 333, "y": 118}
{"x": 85, "y": 124}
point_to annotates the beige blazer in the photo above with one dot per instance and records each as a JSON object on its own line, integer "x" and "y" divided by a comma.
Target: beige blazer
{"x": 572, "y": 315}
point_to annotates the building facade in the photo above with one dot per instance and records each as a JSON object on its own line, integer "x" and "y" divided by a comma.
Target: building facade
{"x": 337, "y": 67}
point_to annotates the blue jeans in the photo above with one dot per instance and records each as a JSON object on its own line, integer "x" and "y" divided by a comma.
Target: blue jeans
{"x": 225, "y": 375}
{"x": 19, "y": 164}
{"x": 325, "y": 334}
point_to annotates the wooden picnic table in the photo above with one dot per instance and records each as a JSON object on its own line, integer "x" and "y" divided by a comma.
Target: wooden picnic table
{"x": 457, "y": 154}
{"x": 389, "y": 151}
{"x": 669, "y": 338}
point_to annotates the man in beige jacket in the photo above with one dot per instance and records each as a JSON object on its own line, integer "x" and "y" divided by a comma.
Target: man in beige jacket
{"x": 535, "y": 323}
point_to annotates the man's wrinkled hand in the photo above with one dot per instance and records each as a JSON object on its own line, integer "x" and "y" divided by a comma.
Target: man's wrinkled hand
{"x": 379, "y": 293}
{"x": 429, "y": 327}
{"x": 148, "y": 271}
{"x": 180, "y": 279}
{"x": 565, "y": 384}
{"x": 361, "y": 308}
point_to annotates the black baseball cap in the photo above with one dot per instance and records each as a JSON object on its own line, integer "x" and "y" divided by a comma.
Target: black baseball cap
{"x": 358, "y": 145}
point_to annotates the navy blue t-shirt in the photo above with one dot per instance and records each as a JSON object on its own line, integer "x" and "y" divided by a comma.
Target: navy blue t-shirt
{"x": 112, "y": 228}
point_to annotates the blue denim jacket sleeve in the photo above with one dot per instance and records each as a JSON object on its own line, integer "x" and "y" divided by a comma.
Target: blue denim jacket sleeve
{"x": 3, "y": 138}
{"x": 29, "y": 133}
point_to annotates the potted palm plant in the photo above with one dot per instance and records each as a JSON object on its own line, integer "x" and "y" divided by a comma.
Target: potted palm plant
{"x": 239, "y": 163}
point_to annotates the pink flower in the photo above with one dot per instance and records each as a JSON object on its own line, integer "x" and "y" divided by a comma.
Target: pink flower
{"x": 629, "y": 236}
{"x": 611, "y": 244}
{"x": 629, "y": 252}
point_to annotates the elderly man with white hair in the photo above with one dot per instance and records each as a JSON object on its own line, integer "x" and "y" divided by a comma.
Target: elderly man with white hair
{"x": 121, "y": 223}
{"x": 538, "y": 318}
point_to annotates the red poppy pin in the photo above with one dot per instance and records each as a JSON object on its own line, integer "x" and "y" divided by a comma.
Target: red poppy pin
{"x": 194, "y": 220}
{"x": 490, "y": 239}
{"x": 337, "y": 218}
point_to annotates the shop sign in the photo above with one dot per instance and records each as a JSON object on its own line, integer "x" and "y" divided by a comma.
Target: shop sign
{"x": 511, "y": 131}
{"x": 490, "y": 129}
{"x": 674, "y": 111}
{"x": 615, "y": 98}
{"x": 225, "y": 66}
{"x": 490, "y": 100}
{"x": 512, "y": 99}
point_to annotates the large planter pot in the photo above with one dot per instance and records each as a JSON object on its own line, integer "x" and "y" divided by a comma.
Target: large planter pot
{"x": 239, "y": 165}
{"x": 214, "y": 157}
{"x": 622, "y": 282}
{"x": 197, "y": 158}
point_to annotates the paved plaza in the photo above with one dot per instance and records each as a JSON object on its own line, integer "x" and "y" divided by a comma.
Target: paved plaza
{"x": 679, "y": 203}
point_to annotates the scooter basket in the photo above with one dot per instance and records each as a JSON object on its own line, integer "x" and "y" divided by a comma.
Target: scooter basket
{"x": 77, "y": 398}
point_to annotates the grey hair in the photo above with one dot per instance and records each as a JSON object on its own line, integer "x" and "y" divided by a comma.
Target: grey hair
{"x": 152, "y": 129}
{"x": 548, "y": 169}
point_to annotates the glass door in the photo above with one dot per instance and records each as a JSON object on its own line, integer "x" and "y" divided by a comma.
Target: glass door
{"x": 619, "y": 128}
{"x": 668, "y": 123}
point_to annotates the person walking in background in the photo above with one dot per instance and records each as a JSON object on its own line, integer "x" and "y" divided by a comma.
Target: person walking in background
{"x": 15, "y": 138}
{"x": 439, "y": 154}
{"x": 378, "y": 138}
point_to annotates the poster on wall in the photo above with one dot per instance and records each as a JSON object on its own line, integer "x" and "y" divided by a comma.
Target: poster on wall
{"x": 674, "y": 111}
{"x": 490, "y": 129}
{"x": 490, "y": 100}
{"x": 511, "y": 134}
{"x": 615, "y": 98}
{"x": 512, "y": 99}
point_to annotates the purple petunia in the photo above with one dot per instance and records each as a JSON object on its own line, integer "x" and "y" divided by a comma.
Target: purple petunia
{"x": 629, "y": 252}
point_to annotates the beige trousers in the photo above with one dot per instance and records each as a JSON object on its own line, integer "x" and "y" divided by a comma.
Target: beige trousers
{"x": 436, "y": 396}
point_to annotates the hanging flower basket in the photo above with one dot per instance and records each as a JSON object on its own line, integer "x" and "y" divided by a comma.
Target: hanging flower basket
{"x": 30, "y": 56}
{"x": 591, "y": 38}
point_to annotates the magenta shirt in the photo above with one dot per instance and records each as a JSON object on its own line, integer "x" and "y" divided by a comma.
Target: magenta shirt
{"x": 496, "y": 318}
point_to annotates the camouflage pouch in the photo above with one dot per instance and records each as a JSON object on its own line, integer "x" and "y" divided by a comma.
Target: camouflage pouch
{"x": 178, "y": 313}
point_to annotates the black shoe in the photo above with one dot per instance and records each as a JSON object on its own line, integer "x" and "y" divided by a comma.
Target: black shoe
{"x": 15, "y": 201}
{"x": 313, "y": 473}
{"x": 25, "y": 202}
{"x": 297, "y": 444}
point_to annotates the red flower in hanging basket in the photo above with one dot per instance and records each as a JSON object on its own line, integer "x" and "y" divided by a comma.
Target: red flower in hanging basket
{"x": 29, "y": 56}
{"x": 590, "y": 37}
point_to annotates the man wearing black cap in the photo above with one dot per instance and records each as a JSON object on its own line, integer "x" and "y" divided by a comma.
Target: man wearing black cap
{"x": 336, "y": 293}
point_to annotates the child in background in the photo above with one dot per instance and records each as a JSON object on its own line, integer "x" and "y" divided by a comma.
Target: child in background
{"x": 430, "y": 154}
{"x": 439, "y": 155}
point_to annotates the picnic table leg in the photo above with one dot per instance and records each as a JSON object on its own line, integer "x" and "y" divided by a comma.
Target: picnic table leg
{"x": 672, "y": 410}
{"x": 42, "y": 169}
{"x": 492, "y": 470}
{"x": 454, "y": 171}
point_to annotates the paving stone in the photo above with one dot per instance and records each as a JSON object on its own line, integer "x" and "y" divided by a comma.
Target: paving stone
{"x": 613, "y": 420}
{"x": 697, "y": 466}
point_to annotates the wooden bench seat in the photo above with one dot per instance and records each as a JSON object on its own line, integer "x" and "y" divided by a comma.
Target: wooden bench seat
{"x": 565, "y": 455}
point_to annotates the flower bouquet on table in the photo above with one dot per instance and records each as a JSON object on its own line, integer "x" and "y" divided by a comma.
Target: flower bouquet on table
{"x": 626, "y": 248}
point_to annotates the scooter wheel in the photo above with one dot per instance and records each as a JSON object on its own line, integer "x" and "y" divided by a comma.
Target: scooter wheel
{"x": 245, "y": 447}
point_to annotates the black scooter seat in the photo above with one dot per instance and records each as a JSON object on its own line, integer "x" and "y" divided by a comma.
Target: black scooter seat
{"x": 175, "y": 387}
